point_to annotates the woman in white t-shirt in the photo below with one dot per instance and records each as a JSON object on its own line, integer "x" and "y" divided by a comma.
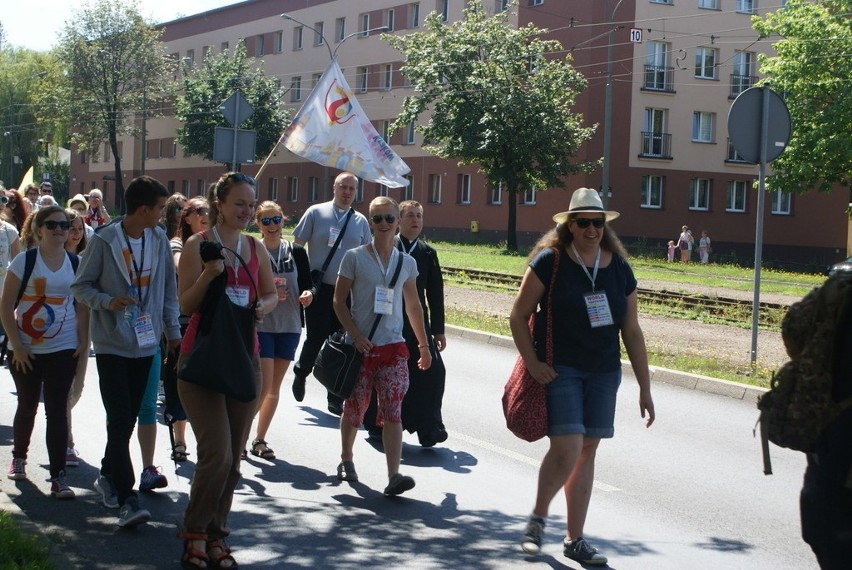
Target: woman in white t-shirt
{"x": 47, "y": 333}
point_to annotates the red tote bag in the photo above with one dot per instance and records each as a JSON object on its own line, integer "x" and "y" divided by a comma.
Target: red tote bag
{"x": 524, "y": 399}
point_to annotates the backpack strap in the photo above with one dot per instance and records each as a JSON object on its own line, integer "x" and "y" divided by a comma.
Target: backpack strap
{"x": 29, "y": 265}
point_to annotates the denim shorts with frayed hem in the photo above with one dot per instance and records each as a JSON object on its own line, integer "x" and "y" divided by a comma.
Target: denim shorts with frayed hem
{"x": 582, "y": 402}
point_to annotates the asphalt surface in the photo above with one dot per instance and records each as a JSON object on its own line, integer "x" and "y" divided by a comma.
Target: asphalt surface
{"x": 687, "y": 493}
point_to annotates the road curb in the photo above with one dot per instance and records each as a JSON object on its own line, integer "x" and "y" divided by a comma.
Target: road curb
{"x": 658, "y": 374}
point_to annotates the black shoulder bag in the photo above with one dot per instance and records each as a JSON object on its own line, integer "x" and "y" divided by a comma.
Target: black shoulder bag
{"x": 338, "y": 363}
{"x": 222, "y": 357}
{"x": 318, "y": 274}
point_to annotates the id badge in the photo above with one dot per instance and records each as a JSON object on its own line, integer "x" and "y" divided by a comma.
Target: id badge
{"x": 383, "y": 301}
{"x": 332, "y": 236}
{"x": 597, "y": 306}
{"x": 238, "y": 295}
{"x": 144, "y": 327}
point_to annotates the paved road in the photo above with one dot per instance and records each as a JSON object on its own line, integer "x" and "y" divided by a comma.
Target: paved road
{"x": 688, "y": 493}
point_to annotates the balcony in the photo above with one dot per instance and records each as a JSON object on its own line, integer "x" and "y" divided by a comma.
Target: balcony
{"x": 658, "y": 78}
{"x": 656, "y": 145}
{"x": 740, "y": 83}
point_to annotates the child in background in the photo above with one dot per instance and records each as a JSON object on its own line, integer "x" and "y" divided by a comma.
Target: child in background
{"x": 672, "y": 249}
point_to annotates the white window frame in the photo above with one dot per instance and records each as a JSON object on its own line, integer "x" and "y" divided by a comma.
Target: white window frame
{"x": 273, "y": 189}
{"x": 382, "y": 190}
{"x": 339, "y": 29}
{"x": 705, "y": 62}
{"x": 703, "y": 126}
{"x": 390, "y": 19}
{"x": 708, "y": 4}
{"x": 496, "y": 197}
{"x": 538, "y": 2}
{"x": 387, "y": 77}
{"x": 298, "y": 37}
{"x": 744, "y": 63}
{"x": 259, "y": 45}
{"x": 293, "y": 189}
{"x": 410, "y": 133}
{"x": 444, "y": 10}
{"x": 386, "y": 131}
{"x": 365, "y": 25}
{"x": 699, "y": 194}
{"x": 296, "y": 89}
{"x": 315, "y": 79}
{"x": 414, "y": 15}
{"x": 361, "y": 79}
{"x": 319, "y": 33}
{"x": 313, "y": 189}
{"x": 408, "y": 191}
{"x": 184, "y": 187}
{"x": 464, "y": 189}
{"x": 200, "y": 187}
{"x": 781, "y": 202}
{"x": 746, "y": 6}
{"x": 661, "y": 1}
{"x": 652, "y": 184}
{"x": 436, "y": 189}
{"x": 737, "y": 192}
{"x": 279, "y": 42}
{"x": 528, "y": 198}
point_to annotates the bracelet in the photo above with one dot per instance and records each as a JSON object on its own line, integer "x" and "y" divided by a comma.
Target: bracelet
{"x": 422, "y": 346}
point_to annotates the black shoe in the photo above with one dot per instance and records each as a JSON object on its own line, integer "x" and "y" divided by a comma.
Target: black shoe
{"x": 299, "y": 388}
{"x": 432, "y": 437}
{"x": 335, "y": 407}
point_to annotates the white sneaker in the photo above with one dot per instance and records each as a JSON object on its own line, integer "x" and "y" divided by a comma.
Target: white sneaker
{"x": 72, "y": 458}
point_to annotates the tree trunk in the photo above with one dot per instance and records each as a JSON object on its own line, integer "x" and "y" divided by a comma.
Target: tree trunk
{"x": 511, "y": 230}
{"x": 119, "y": 182}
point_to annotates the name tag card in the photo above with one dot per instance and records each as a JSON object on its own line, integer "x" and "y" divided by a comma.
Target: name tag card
{"x": 383, "y": 301}
{"x": 239, "y": 295}
{"x": 597, "y": 306}
{"x": 144, "y": 327}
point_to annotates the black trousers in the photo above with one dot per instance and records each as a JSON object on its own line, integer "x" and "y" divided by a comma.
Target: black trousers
{"x": 320, "y": 321}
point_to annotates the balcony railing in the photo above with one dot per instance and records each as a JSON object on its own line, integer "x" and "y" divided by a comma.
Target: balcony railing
{"x": 740, "y": 83}
{"x": 656, "y": 145}
{"x": 658, "y": 78}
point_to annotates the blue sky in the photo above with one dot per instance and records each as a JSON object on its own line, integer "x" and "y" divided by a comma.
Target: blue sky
{"x": 36, "y": 24}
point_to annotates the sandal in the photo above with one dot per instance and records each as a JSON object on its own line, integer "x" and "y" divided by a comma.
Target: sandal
{"x": 265, "y": 453}
{"x": 217, "y": 553}
{"x": 179, "y": 453}
{"x": 193, "y": 558}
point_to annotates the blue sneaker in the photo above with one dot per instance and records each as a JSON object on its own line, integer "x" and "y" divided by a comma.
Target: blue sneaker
{"x": 152, "y": 479}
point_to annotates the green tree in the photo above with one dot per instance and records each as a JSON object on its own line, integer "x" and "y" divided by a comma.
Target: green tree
{"x": 496, "y": 96}
{"x": 205, "y": 88}
{"x": 23, "y": 74}
{"x": 812, "y": 70}
{"x": 116, "y": 68}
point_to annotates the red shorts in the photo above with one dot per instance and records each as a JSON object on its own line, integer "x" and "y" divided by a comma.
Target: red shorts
{"x": 385, "y": 370}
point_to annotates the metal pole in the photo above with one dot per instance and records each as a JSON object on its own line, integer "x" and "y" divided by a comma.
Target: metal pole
{"x": 236, "y": 129}
{"x": 758, "y": 232}
{"x": 607, "y": 142}
{"x": 144, "y": 127}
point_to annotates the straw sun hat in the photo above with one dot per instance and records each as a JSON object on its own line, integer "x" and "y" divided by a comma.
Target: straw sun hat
{"x": 585, "y": 201}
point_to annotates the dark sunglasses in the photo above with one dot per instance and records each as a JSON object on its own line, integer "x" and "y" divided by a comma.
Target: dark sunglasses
{"x": 272, "y": 220}
{"x": 584, "y": 222}
{"x": 240, "y": 177}
{"x": 377, "y": 218}
{"x": 201, "y": 210}
{"x": 53, "y": 224}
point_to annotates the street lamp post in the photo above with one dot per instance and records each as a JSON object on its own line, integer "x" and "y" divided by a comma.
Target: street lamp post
{"x": 607, "y": 158}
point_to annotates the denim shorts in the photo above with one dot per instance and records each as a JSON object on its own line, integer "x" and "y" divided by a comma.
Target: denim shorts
{"x": 278, "y": 345}
{"x": 582, "y": 402}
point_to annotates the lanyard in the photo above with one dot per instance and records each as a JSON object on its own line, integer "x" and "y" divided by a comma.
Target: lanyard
{"x": 594, "y": 274}
{"x": 136, "y": 268}
{"x": 339, "y": 214}
{"x": 235, "y": 265}
{"x": 384, "y": 270}
{"x": 277, "y": 260}
{"x": 411, "y": 246}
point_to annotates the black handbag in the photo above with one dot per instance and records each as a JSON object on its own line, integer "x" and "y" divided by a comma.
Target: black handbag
{"x": 338, "y": 363}
{"x": 222, "y": 357}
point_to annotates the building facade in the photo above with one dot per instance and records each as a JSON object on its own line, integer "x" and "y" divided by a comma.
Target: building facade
{"x": 676, "y": 67}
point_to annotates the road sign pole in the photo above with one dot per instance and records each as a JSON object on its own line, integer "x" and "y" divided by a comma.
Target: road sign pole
{"x": 758, "y": 231}
{"x": 236, "y": 128}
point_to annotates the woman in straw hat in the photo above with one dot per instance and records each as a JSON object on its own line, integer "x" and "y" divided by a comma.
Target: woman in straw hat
{"x": 594, "y": 300}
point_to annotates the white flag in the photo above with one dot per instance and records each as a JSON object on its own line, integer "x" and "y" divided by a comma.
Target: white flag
{"x": 332, "y": 129}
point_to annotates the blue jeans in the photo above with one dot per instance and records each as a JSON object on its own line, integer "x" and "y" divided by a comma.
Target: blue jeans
{"x": 582, "y": 402}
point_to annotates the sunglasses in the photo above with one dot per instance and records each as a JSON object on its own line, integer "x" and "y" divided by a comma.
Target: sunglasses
{"x": 240, "y": 177}
{"x": 585, "y": 222}
{"x": 47, "y": 190}
{"x": 377, "y": 218}
{"x": 201, "y": 211}
{"x": 53, "y": 224}
{"x": 272, "y": 220}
